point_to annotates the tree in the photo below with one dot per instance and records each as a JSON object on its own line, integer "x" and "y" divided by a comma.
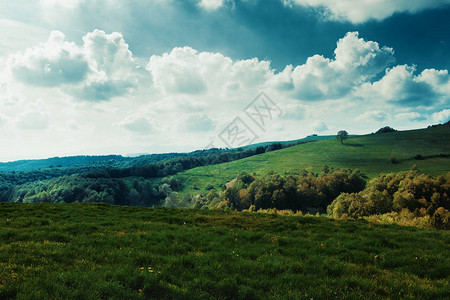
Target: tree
{"x": 342, "y": 135}
{"x": 386, "y": 129}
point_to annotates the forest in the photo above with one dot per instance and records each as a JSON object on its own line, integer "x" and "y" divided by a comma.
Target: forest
{"x": 116, "y": 181}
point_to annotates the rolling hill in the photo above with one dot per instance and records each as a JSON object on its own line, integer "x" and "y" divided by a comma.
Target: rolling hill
{"x": 428, "y": 149}
{"x": 309, "y": 138}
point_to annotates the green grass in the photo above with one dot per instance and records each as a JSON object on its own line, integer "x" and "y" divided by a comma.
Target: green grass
{"x": 306, "y": 139}
{"x": 370, "y": 153}
{"x": 98, "y": 251}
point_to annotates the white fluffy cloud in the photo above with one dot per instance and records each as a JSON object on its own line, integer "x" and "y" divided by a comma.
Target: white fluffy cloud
{"x": 375, "y": 115}
{"x": 363, "y": 10}
{"x": 319, "y": 126}
{"x": 52, "y": 63}
{"x": 355, "y": 62}
{"x": 442, "y": 116}
{"x": 400, "y": 86}
{"x": 197, "y": 123}
{"x": 103, "y": 68}
{"x": 186, "y": 71}
{"x": 113, "y": 69}
{"x": 411, "y": 116}
{"x": 139, "y": 125}
{"x": 211, "y": 4}
{"x": 293, "y": 112}
{"x": 68, "y": 4}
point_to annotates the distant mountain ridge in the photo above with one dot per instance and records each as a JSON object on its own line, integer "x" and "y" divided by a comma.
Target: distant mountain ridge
{"x": 69, "y": 161}
{"x": 127, "y": 161}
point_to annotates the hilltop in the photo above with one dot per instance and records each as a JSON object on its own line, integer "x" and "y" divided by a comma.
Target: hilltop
{"x": 428, "y": 149}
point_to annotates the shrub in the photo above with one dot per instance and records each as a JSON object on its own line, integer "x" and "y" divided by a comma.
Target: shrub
{"x": 411, "y": 194}
{"x": 441, "y": 219}
{"x": 307, "y": 191}
{"x": 386, "y": 129}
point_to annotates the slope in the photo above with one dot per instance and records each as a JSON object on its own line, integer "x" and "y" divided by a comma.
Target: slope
{"x": 97, "y": 251}
{"x": 372, "y": 154}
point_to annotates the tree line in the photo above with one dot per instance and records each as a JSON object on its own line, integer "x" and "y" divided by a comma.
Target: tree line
{"x": 100, "y": 183}
{"x": 307, "y": 191}
{"x": 409, "y": 191}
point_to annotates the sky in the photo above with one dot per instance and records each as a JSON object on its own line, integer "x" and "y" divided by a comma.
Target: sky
{"x": 97, "y": 77}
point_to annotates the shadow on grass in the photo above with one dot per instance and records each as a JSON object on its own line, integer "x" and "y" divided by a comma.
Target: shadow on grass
{"x": 354, "y": 145}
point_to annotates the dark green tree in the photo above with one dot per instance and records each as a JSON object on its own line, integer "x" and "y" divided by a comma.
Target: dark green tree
{"x": 342, "y": 135}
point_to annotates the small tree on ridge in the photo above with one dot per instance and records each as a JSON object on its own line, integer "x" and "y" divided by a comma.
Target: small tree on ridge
{"x": 342, "y": 135}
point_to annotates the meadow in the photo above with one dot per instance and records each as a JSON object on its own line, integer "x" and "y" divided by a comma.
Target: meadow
{"x": 372, "y": 154}
{"x": 98, "y": 251}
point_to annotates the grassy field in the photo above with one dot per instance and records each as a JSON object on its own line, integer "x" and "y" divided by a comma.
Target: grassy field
{"x": 370, "y": 153}
{"x": 95, "y": 251}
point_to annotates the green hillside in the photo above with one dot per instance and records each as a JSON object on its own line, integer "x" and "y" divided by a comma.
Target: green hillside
{"x": 371, "y": 154}
{"x": 306, "y": 139}
{"x": 97, "y": 251}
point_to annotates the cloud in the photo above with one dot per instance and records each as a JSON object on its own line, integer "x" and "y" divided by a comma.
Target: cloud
{"x": 198, "y": 123}
{"x": 186, "y": 71}
{"x": 293, "y": 112}
{"x": 364, "y": 10}
{"x": 178, "y": 72}
{"x": 52, "y": 63}
{"x": 442, "y": 116}
{"x": 33, "y": 121}
{"x": 411, "y": 116}
{"x": 375, "y": 115}
{"x": 356, "y": 61}
{"x": 319, "y": 126}
{"x": 102, "y": 69}
{"x": 68, "y": 4}
{"x": 112, "y": 66}
{"x": 138, "y": 124}
{"x": 401, "y": 87}
{"x": 439, "y": 80}
{"x": 211, "y": 4}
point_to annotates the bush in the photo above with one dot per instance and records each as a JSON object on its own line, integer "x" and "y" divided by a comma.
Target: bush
{"x": 393, "y": 160}
{"x": 418, "y": 157}
{"x": 441, "y": 219}
{"x": 422, "y": 196}
{"x": 386, "y": 129}
{"x": 307, "y": 191}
